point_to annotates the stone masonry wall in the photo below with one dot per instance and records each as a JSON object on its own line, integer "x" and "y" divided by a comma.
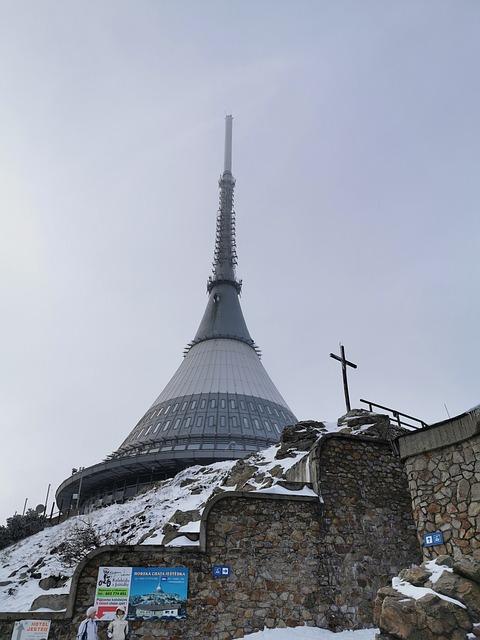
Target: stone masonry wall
{"x": 294, "y": 560}
{"x": 368, "y": 531}
{"x": 445, "y": 488}
{"x": 272, "y": 546}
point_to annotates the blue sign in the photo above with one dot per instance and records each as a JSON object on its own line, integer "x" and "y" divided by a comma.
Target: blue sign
{"x": 158, "y": 593}
{"x": 432, "y": 539}
{"x": 221, "y": 571}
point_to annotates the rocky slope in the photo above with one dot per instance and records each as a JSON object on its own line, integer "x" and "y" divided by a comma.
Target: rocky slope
{"x": 439, "y": 600}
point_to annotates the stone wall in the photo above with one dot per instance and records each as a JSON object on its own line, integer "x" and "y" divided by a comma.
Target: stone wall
{"x": 445, "y": 488}
{"x": 272, "y": 546}
{"x": 295, "y": 559}
{"x": 368, "y": 532}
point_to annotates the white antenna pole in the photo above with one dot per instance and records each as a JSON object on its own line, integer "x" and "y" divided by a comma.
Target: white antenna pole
{"x": 227, "y": 164}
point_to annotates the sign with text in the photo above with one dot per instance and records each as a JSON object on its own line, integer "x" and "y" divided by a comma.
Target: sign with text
{"x": 433, "y": 539}
{"x": 158, "y": 593}
{"x": 221, "y": 571}
{"x": 113, "y": 588}
{"x": 31, "y": 630}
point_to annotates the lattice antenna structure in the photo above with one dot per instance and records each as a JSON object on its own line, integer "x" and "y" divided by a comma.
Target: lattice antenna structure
{"x": 225, "y": 252}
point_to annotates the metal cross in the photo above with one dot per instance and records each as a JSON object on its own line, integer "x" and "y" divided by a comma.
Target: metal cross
{"x": 345, "y": 363}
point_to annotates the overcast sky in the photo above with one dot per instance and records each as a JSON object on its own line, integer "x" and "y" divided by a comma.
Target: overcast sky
{"x": 357, "y": 158}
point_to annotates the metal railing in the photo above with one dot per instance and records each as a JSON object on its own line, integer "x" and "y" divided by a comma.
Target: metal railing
{"x": 396, "y": 416}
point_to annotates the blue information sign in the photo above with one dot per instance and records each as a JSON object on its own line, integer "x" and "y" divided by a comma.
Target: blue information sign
{"x": 432, "y": 539}
{"x": 221, "y": 571}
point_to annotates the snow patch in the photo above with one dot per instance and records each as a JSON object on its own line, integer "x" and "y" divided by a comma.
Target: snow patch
{"x": 283, "y": 491}
{"x": 182, "y": 541}
{"x": 418, "y": 592}
{"x": 436, "y": 570}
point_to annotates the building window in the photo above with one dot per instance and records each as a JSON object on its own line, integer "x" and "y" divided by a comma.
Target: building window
{"x": 153, "y": 414}
{"x": 233, "y": 404}
{"x": 156, "y": 427}
{"x": 187, "y": 422}
{"x": 223, "y": 403}
{"x": 184, "y": 406}
{"x": 167, "y": 409}
{"x": 245, "y": 423}
{"x": 267, "y": 424}
{"x": 222, "y": 421}
{"x": 139, "y": 434}
{"x": 213, "y": 403}
{"x": 275, "y": 426}
{"x": 160, "y": 411}
{"x": 175, "y": 406}
{"x": 203, "y": 403}
{"x": 243, "y": 406}
{"x": 147, "y": 430}
{"x": 260, "y": 408}
{"x": 252, "y": 408}
{"x": 193, "y": 405}
{"x": 199, "y": 421}
{"x": 256, "y": 423}
{"x": 234, "y": 421}
{"x": 166, "y": 425}
{"x": 177, "y": 423}
{"x": 211, "y": 421}
{"x": 276, "y": 413}
{"x": 269, "y": 409}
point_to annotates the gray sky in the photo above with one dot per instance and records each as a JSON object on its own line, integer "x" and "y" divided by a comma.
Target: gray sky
{"x": 356, "y": 154}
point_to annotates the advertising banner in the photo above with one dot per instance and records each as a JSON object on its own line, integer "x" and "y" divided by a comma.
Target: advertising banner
{"x": 113, "y": 586}
{"x": 158, "y": 592}
{"x": 31, "y": 630}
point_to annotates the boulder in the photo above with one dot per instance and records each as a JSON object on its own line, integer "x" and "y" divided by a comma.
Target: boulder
{"x": 417, "y": 576}
{"x": 370, "y": 425}
{"x": 462, "y": 589}
{"x": 398, "y": 617}
{"x": 429, "y": 618}
{"x": 299, "y": 437}
{"x": 184, "y": 517}
{"x": 57, "y": 602}
{"x": 240, "y": 474}
{"x": 382, "y": 593}
{"x": 52, "y": 582}
{"x": 468, "y": 568}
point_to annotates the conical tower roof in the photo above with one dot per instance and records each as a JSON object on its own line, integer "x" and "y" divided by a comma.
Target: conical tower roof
{"x": 219, "y": 404}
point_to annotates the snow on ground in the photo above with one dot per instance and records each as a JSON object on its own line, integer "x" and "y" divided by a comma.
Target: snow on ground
{"x": 138, "y": 521}
{"x": 311, "y": 633}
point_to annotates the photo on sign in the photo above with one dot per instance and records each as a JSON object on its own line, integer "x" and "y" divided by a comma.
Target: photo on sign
{"x": 113, "y": 587}
{"x": 31, "y": 630}
{"x": 158, "y": 593}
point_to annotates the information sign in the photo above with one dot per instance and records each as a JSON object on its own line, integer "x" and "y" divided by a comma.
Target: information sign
{"x": 113, "y": 587}
{"x": 221, "y": 571}
{"x": 433, "y": 539}
{"x": 31, "y": 630}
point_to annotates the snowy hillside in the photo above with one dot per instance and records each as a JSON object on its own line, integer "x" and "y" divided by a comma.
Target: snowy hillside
{"x": 169, "y": 514}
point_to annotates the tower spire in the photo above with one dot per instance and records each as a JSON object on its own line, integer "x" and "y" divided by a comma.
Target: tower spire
{"x": 225, "y": 254}
{"x": 227, "y": 164}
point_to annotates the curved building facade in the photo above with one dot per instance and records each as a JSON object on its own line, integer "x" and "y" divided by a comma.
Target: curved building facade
{"x": 220, "y": 403}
